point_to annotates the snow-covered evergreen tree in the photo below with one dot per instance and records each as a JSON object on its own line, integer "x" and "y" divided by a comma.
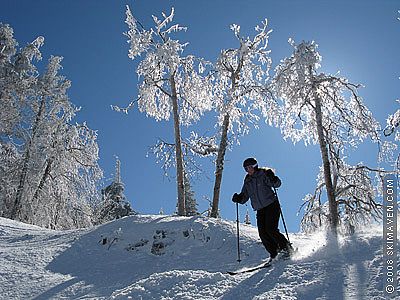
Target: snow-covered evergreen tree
{"x": 170, "y": 82}
{"x": 191, "y": 203}
{"x": 247, "y": 219}
{"x": 114, "y": 205}
{"x": 324, "y": 109}
{"x": 241, "y": 94}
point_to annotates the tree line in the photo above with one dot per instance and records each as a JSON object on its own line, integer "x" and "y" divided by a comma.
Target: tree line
{"x": 306, "y": 104}
{"x": 49, "y": 172}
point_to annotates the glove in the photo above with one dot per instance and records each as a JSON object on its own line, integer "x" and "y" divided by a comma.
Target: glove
{"x": 236, "y": 198}
{"x": 270, "y": 174}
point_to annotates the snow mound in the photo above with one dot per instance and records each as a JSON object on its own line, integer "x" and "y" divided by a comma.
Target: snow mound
{"x": 164, "y": 257}
{"x": 178, "y": 284}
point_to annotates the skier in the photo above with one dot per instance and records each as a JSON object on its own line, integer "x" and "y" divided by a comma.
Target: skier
{"x": 257, "y": 186}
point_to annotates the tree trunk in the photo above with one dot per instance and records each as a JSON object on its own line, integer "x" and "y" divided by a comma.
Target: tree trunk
{"x": 16, "y": 210}
{"x": 220, "y": 166}
{"x": 16, "y": 213}
{"x": 333, "y": 210}
{"x": 42, "y": 180}
{"x": 178, "y": 151}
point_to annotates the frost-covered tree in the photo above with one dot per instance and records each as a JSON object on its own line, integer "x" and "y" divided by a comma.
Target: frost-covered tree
{"x": 14, "y": 83}
{"x": 43, "y": 117}
{"x": 114, "y": 205}
{"x": 241, "y": 94}
{"x": 59, "y": 161}
{"x": 16, "y": 70}
{"x": 75, "y": 176}
{"x": 17, "y": 80}
{"x": 52, "y": 181}
{"x": 323, "y": 109}
{"x": 355, "y": 194}
{"x": 392, "y": 127}
{"x": 393, "y": 122}
{"x": 192, "y": 148}
{"x": 171, "y": 83}
{"x": 10, "y": 160}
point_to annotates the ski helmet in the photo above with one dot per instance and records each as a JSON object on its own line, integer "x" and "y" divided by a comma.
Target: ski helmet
{"x": 251, "y": 161}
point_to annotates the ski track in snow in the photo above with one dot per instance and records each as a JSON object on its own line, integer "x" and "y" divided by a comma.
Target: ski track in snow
{"x": 163, "y": 257}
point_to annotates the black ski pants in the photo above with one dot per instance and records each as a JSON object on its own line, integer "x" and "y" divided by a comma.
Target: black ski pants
{"x": 267, "y": 223}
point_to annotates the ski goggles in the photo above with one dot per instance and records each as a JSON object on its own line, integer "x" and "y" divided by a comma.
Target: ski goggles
{"x": 248, "y": 168}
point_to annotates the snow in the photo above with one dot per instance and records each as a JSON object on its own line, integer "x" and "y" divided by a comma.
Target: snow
{"x": 165, "y": 257}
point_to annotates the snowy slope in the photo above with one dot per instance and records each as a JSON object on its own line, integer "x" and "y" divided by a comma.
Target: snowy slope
{"x": 162, "y": 257}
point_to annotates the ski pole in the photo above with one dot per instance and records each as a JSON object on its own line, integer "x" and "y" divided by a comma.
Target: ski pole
{"x": 283, "y": 219}
{"x": 237, "y": 226}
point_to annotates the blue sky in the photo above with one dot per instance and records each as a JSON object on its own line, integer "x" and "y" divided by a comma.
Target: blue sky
{"x": 359, "y": 38}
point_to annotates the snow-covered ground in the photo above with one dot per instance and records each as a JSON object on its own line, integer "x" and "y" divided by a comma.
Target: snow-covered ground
{"x": 164, "y": 257}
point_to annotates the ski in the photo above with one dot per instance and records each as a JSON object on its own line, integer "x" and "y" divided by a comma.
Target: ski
{"x": 281, "y": 257}
{"x": 249, "y": 270}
